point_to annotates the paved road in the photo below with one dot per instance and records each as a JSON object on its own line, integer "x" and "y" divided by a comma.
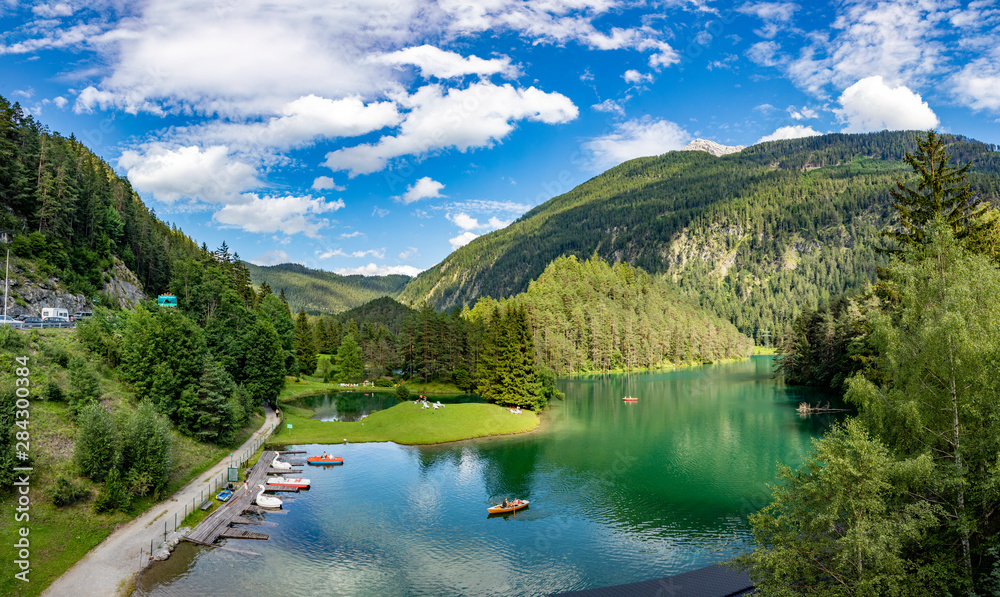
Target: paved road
{"x": 107, "y": 568}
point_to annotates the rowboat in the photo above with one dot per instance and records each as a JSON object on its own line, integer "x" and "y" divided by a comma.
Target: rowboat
{"x": 511, "y": 507}
{"x": 277, "y": 463}
{"x": 224, "y": 495}
{"x": 267, "y": 501}
{"x": 328, "y": 459}
{"x": 629, "y": 399}
{"x": 288, "y": 482}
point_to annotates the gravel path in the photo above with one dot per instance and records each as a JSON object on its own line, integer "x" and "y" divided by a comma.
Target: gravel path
{"x": 108, "y": 568}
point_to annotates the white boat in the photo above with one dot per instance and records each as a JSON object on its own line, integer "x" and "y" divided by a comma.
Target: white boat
{"x": 267, "y": 501}
{"x": 276, "y": 463}
{"x": 298, "y": 482}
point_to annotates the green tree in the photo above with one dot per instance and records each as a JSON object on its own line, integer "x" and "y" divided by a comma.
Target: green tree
{"x": 96, "y": 449}
{"x": 264, "y": 367}
{"x": 941, "y": 191}
{"x": 84, "y": 384}
{"x": 305, "y": 344}
{"x": 845, "y": 523}
{"x": 146, "y": 445}
{"x": 939, "y": 384}
{"x": 350, "y": 365}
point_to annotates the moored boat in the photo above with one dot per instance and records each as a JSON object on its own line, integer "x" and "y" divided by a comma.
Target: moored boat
{"x": 224, "y": 495}
{"x": 267, "y": 501}
{"x": 629, "y": 399}
{"x": 279, "y": 464}
{"x": 510, "y": 507}
{"x": 325, "y": 459}
{"x": 298, "y": 482}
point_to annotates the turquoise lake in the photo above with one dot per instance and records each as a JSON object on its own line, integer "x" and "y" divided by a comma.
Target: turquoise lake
{"x": 619, "y": 493}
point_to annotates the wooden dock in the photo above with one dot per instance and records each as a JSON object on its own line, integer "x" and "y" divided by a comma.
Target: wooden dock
{"x": 218, "y": 524}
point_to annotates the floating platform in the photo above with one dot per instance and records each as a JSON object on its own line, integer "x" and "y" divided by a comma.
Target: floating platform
{"x": 217, "y": 525}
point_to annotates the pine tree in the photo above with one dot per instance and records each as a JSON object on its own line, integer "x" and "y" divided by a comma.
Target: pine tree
{"x": 941, "y": 189}
{"x": 305, "y": 344}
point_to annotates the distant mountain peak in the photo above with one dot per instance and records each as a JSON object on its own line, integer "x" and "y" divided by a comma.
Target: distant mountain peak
{"x": 712, "y": 147}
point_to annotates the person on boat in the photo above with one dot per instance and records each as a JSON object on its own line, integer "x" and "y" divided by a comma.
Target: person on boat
{"x": 505, "y": 504}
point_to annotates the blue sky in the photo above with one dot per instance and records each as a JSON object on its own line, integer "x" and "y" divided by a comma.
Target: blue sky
{"x": 375, "y": 137}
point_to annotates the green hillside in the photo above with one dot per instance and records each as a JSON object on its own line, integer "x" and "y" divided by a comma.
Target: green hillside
{"x": 756, "y": 236}
{"x": 318, "y": 291}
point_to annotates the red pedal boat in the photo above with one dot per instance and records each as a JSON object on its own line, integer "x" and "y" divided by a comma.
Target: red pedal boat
{"x": 328, "y": 459}
{"x": 629, "y": 399}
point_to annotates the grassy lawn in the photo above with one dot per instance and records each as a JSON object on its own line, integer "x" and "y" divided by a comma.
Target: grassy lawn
{"x": 306, "y": 385}
{"x": 408, "y": 423}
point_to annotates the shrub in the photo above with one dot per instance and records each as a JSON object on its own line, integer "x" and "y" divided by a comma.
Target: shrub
{"x": 114, "y": 495}
{"x": 53, "y": 392}
{"x": 68, "y": 492}
{"x": 96, "y": 448}
{"x": 402, "y": 392}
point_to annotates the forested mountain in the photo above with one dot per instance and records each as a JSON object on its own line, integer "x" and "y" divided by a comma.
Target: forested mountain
{"x": 757, "y": 236}
{"x": 318, "y": 291}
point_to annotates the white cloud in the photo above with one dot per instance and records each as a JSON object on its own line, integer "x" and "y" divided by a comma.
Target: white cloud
{"x": 324, "y": 183}
{"x": 379, "y": 270}
{"x": 635, "y": 77}
{"x": 435, "y": 62}
{"x": 439, "y": 118}
{"x": 60, "y": 102}
{"x": 610, "y": 105}
{"x": 636, "y": 138}
{"x": 301, "y": 121}
{"x": 209, "y": 175}
{"x": 462, "y": 239}
{"x": 331, "y": 253}
{"x": 52, "y": 10}
{"x": 289, "y": 215}
{"x": 380, "y": 212}
{"x": 790, "y": 132}
{"x": 803, "y": 114}
{"x": 774, "y": 15}
{"x": 871, "y": 105}
{"x": 376, "y": 253}
{"x": 409, "y": 253}
{"x": 424, "y": 188}
{"x": 496, "y": 223}
{"x": 354, "y": 234}
{"x": 977, "y": 85}
{"x": 464, "y": 221}
{"x": 272, "y": 258}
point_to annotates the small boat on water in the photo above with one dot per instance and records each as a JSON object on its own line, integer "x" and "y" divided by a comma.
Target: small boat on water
{"x": 267, "y": 501}
{"x": 278, "y": 463}
{"x": 298, "y": 482}
{"x": 629, "y": 399}
{"x": 224, "y": 495}
{"x": 325, "y": 459}
{"x": 510, "y": 507}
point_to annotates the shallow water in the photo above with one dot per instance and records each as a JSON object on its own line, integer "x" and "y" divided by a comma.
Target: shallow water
{"x": 619, "y": 493}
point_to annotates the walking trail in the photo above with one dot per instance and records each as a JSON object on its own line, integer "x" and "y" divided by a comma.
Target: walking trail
{"x": 108, "y": 568}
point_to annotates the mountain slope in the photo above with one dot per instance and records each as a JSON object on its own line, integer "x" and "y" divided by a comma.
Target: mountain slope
{"x": 320, "y": 291}
{"x": 755, "y": 235}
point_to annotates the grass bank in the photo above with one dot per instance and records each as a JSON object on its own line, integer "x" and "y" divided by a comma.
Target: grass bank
{"x": 306, "y": 385}
{"x": 407, "y": 423}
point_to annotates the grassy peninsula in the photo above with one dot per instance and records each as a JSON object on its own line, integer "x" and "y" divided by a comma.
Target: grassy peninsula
{"x": 407, "y": 423}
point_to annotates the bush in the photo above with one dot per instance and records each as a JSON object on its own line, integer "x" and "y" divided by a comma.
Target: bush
{"x": 146, "y": 444}
{"x": 68, "y": 492}
{"x": 12, "y": 340}
{"x": 383, "y": 383}
{"x": 84, "y": 385}
{"x": 53, "y": 392}
{"x": 96, "y": 448}
{"x": 114, "y": 495}
{"x": 402, "y": 392}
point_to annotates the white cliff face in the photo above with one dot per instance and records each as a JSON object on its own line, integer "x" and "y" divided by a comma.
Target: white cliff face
{"x": 716, "y": 149}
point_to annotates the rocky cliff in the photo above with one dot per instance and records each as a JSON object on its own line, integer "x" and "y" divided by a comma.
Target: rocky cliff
{"x": 29, "y": 293}
{"x": 716, "y": 149}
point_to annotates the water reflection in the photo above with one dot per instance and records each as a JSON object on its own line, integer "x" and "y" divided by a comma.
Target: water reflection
{"x": 619, "y": 493}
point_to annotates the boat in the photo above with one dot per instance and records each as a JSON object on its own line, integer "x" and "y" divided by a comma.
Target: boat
{"x": 297, "y": 482}
{"x": 629, "y": 399}
{"x": 267, "y": 501}
{"x": 511, "y": 507}
{"x": 277, "y": 463}
{"x": 224, "y": 495}
{"x": 325, "y": 459}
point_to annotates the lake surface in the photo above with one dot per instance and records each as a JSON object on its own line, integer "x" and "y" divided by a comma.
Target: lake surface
{"x": 619, "y": 493}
